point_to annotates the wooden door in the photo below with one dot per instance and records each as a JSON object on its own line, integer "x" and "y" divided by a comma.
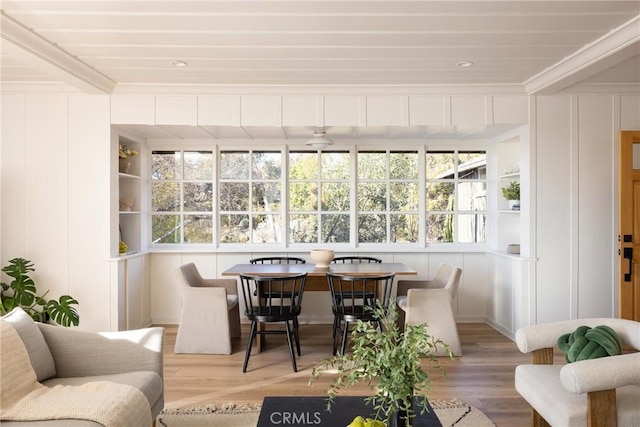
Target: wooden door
{"x": 629, "y": 226}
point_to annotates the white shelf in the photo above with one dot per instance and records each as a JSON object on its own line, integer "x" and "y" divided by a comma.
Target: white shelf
{"x": 129, "y": 212}
{"x": 508, "y": 211}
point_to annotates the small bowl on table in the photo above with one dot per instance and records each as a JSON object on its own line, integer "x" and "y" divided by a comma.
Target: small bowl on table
{"x": 322, "y": 257}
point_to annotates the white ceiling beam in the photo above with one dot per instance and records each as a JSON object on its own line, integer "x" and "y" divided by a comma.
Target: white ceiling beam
{"x": 53, "y": 60}
{"x": 611, "y": 49}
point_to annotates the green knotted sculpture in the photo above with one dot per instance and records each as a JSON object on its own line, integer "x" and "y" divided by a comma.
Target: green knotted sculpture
{"x": 590, "y": 343}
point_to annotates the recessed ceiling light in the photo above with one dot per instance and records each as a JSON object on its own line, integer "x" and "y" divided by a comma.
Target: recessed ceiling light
{"x": 179, "y": 64}
{"x": 464, "y": 64}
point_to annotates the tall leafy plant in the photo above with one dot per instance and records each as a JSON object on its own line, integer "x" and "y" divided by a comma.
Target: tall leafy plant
{"x": 389, "y": 361}
{"x": 21, "y": 292}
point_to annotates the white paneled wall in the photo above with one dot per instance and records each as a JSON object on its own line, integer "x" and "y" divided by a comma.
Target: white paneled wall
{"x": 577, "y": 138}
{"x": 273, "y": 111}
{"x": 56, "y": 196}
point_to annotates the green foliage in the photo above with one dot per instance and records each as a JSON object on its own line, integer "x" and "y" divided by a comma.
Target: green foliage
{"x": 21, "y": 292}
{"x": 512, "y": 192}
{"x": 388, "y": 360}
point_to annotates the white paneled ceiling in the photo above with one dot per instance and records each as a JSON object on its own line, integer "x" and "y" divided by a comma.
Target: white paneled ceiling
{"x": 120, "y": 46}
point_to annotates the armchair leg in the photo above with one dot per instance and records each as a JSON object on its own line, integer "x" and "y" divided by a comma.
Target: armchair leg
{"x": 252, "y": 335}
{"x": 601, "y": 409}
{"x": 537, "y": 420}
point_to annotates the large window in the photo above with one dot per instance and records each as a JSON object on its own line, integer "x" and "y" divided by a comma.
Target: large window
{"x": 388, "y": 197}
{"x": 182, "y": 197}
{"x": 319, "y": 197}
{"x": 250, "y": 197}
{"x": 352, "y": 197}
{"x": 456, "y": 196}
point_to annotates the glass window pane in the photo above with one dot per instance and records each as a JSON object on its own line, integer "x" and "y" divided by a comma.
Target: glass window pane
{"x": 166, "y": 165}
{"x": 335, "y": 228}
{"x": 234, "y": 165}
{"x": 472, "y": 196}
{"x": 267, "y": 229}
{"x": 471, "y": 228}
{"x": 303, "y": 165}
{"x": 403, "y": 165}
{"x": 303, "y": 196}
{"x": 440, "y": 196}
{"x": 404, "y": 196}
{"x": 472, "y": 165}
{"x": 234, "y": 196}
{"x": 440, "y": 165}
{"x": 165, "y": 196}
{"x": 404, "y": 228}
{"x": 335, "y": 196}
{"x": 165, "y": 228}
{"x": 198, "y": 165}
{"x": 234, "y": 228}
{"x": 372, "y": 228}
{"x": 266, "y": 196}
{"x": 198, "y": 229}
{"x": 440, "y": 228}
{"x": 372, "y": 196}
{"x": 335, "y": 165}
{"x": 372, "y": 165}
{"x": 198, "y": 196}
{"x": 266, "y": 165}
{"x": 303, "y": 228}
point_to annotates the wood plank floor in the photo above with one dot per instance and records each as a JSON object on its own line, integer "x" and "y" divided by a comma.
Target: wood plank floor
{"x": 482, "y": 377}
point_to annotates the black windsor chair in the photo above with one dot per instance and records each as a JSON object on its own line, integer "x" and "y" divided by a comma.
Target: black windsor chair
{"x": 354, "y": 298}
{"x": 267, "y": 308}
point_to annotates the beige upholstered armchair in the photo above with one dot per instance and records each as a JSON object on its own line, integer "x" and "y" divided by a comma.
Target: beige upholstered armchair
{"x": 209, "y": 316}
{"x": 431, "y": 302}
{"x": 595, "y": 392}
{"x": 52, "y": 376}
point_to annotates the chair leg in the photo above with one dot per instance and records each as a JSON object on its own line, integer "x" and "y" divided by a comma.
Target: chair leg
{"x": 345, "y": 332}
{"x": 252, "y": 335}
{"x": 537, "y": 420}
{"x": 296, "y": 331}
{"x": 289, "y": 338}
{"x": 336, "y": 336}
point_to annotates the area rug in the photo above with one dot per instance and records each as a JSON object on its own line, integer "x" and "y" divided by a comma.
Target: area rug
{"x": 452, "y": 413}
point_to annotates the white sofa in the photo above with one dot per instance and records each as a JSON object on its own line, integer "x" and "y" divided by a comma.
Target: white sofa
{"x": 65, "y": 356}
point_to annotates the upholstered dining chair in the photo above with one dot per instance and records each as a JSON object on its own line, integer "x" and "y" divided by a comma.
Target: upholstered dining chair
{"x": 209, "y": 316}
{"x": 431, "y": 302}
{"x": 353, "y": 298}
{"x": 267, "y": 308}
{"x": 592, "y": 392}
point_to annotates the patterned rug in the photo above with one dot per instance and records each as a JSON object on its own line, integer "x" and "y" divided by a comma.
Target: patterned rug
{"x": 452, "y": 413}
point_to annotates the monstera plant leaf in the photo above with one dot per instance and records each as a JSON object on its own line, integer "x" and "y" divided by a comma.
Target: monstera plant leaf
{"x": 24, "y": 288}
{"x": 61, "y": 311}
{"x": 21, "y": 292}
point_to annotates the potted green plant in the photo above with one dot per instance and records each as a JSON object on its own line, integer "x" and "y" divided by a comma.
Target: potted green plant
{"x": 21, "y": 292}
{"x": 512, "y": 194}
{"x": 389, "y": 361}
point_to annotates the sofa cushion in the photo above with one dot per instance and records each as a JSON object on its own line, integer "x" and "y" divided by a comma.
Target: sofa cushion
{"x": 148, "y": 382}
{"x": 37, "y": 348}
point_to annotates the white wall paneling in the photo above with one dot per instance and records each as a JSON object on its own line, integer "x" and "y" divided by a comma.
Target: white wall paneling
{"x": 596, "y": 206}
{"x": 89, "y": 198}
{"x": 13, "y": 219}
{"x": 553, "y": 208}
{"x": 468, "y": 112}
{"x": 133, "y": 109}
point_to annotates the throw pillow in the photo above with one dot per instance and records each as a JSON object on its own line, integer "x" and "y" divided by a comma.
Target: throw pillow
{"x": 590, "y": 343}
{"x": 37, "y": 348}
